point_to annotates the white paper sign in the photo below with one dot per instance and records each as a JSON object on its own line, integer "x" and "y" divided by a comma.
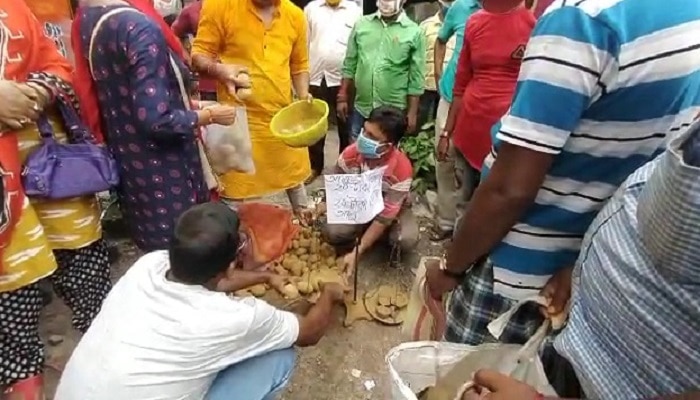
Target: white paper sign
{"x": 354, "y": 198}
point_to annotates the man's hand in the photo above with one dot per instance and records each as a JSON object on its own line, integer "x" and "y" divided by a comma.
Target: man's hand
{"x": 412, "y": 122}
{"x": 494, "y": 386}
{"x": 342, "y": 110}
{"x": 349, "y": 265}
{"x": 304, "y": 215}
{"x": 438, "y": 283}
{"x": 557, "y": 291}
{"x": 278, "y": 282}
{"x": 442, "y": 148}
{"x": 305, "y": 96}
{"x": 233, "y": 76}
{"x": 335, "y": 290}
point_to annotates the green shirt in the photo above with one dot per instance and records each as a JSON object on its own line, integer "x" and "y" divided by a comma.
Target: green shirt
{"x": 386, "y": 61}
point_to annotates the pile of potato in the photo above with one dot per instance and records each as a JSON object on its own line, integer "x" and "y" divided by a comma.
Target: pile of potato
{"x": 309, "y": 263}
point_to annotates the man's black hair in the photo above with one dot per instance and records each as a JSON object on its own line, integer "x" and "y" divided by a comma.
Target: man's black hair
{"x": 204, "y": 243}
{"x": 391, "y": 121}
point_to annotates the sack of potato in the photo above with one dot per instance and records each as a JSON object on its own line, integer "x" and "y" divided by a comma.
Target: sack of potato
{"x": 269, "y": 228}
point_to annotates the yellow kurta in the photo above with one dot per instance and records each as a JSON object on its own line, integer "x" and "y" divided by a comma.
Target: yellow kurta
{"x": 232, "y": 31}
{"x": 45, "y": 226}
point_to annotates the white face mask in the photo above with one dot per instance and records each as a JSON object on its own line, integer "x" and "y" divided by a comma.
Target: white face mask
{"x": 388, "y": 8}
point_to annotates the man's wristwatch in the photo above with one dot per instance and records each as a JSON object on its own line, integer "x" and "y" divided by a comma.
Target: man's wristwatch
{"x": 446, "y": 272}
{"x": 445, "y": 134}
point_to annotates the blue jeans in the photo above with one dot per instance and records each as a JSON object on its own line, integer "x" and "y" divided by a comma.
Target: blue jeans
{"x": 357, "y": 122}
{"x": 259, "y": 378}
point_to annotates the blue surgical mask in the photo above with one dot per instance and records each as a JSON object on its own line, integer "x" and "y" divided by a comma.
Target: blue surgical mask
{"x": 369, "y": 148}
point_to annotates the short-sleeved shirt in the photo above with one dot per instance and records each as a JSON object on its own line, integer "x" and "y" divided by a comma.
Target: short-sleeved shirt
{"x": 601, "y": 88}
{"x": 155, "y": 338}
{"x": 634, "y": 326}
{"x": 453, "y": 27}
{"x": 398, "y": 176}
{"x": 487, "y": 73}
{"x": 386, "y": 60}
{"x": 430, "y": 28}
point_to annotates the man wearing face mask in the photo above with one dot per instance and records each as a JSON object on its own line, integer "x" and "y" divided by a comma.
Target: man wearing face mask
{"x": 385, "y": 63}
{"x": 377, "y": 147}
{"x": 330, "y": 23}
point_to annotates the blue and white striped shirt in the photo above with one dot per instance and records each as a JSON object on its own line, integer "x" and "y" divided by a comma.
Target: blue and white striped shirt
{"x": 634, "y": 325}
{"x": 602, "y": 86}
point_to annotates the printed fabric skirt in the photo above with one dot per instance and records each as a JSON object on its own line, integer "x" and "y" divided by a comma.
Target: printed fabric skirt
{"x": 473, "y": 305}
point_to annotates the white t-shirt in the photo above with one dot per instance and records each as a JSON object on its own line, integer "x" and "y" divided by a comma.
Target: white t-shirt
{"x": 155, "y": 339}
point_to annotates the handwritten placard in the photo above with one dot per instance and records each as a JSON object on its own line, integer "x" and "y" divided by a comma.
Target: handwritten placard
{"x": 354, "y": 198}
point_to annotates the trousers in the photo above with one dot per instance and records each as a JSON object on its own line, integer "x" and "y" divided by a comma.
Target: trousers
{"x": 316, "y": 151}
{"x": 258, "y": 378}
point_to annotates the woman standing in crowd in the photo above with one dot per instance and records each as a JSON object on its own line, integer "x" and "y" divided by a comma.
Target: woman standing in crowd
{"x": 132, "y": 80}
{"x": 61, "y": 239}
{"x": 487, "y": 71}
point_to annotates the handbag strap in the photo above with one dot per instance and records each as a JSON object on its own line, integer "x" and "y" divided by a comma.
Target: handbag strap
{"x": 76, "y": 131}
{"x": 44, "y": 127}
{"x": 96, "y": 29}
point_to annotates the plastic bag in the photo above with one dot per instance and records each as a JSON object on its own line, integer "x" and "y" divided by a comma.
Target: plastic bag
{"x": 415, "y": 366}
{"x": 425, "y": 317}
{"x": 270, "y": 229}
{"x": 229, "y": 147}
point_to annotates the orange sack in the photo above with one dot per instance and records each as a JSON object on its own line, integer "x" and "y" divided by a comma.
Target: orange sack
{"x": 270, "y": 229}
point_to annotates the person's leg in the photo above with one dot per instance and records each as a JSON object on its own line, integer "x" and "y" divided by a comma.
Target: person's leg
{"x": 343, "y": 126}
{"x": 446, "y": 181}
{"x": 21, "y": 350}
{"x": 560, "y": 373}
{"x": 258, "y": 378}
{"x": 316, "y": 150}
{"x": 466, "y": 180}
{"x": 297, "y": 197}
{"x": 340, "y": 235}
{"x": 405, "y": 231}
{"x": 357, "y": 121}
{"x": 426, "y": 107}
{"x": 82, "y": 281}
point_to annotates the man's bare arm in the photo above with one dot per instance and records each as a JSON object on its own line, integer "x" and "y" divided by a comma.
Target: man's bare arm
{"x": 498, "y": 203}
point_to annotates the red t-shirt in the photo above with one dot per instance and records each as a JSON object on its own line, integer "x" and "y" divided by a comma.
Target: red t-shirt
{"x": 487, "y": 71}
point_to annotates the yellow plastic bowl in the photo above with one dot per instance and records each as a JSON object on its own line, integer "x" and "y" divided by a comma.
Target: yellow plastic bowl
{"x": 301, "y": 124}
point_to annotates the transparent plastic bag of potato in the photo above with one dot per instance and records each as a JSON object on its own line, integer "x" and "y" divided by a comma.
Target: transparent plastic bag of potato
{"x": 229, "y": 147}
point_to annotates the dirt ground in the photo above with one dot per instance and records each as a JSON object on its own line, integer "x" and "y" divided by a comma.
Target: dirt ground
{"x": 347, "y": 364}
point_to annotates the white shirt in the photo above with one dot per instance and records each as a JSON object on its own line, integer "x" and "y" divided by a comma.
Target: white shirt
{"x": 155, "y": 339}
{"x": 329, "y": 31}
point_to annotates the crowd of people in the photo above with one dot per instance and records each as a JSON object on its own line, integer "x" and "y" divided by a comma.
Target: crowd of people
{"x": 567, "y": 144}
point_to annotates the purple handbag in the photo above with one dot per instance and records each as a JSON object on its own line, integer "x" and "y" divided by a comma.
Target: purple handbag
{"x": 64, "y": 170}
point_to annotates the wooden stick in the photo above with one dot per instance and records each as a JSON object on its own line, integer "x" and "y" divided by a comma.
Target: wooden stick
{"x": 357, "y": 268}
